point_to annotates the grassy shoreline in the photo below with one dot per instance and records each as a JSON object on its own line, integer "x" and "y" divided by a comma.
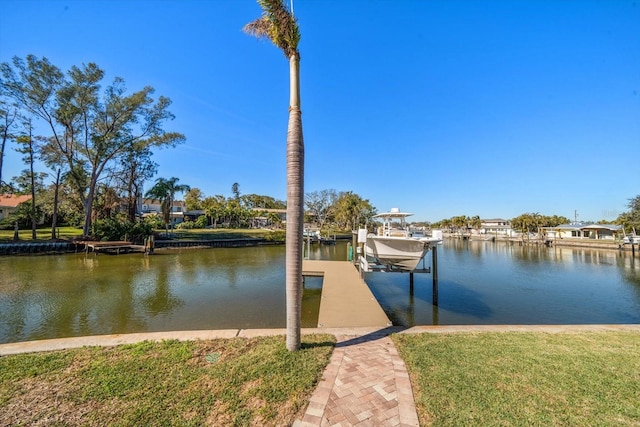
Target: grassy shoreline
{"x": 524, "y": 378}
{"x": 458, "y": 378}
{"x": 69, "y": 233}
{"x": 237, "y": 381}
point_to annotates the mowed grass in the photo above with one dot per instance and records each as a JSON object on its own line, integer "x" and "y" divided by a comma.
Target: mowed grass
{"x": 224, "y": 233}
{"x": 42, "y": 234}
{"x": 518, "y": 379}
{"x": 218, "y": 382}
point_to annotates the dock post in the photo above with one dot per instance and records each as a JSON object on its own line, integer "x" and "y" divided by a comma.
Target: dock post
{"x": 411, "y": 283}
{"x": 434, "y": 267}
{"x": 354, "y": 245}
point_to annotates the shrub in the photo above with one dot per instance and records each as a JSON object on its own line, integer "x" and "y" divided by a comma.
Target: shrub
{"x": 201, "y": 222}
{"x": 114, "y": 229}
{"x": 186, "y": 225}
{"x": 276, "y": 236}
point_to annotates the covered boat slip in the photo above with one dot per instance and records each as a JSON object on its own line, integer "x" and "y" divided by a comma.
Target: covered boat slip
{"x": 346, "y": 299}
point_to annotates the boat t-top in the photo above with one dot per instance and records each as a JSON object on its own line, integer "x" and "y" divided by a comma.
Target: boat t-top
{"x": 393, "y": 246}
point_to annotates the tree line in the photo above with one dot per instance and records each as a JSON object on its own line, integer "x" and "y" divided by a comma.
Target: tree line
{"x": 95, "y": 142}
{"x": 97, "y": 145}
{"x": 531, "y": 222}
{"x": 324, "y": 209}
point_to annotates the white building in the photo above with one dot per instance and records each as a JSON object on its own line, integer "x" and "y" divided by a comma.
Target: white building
{"x": 496, "y": 227}
{"x": 152, "y": 206}
{"x": 583, "y": 231}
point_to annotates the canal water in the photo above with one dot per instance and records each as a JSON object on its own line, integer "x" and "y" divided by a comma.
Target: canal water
{"x": 479, "y": 283}
{"x": 496, "y": 283}
{"x": 52, "y": 296}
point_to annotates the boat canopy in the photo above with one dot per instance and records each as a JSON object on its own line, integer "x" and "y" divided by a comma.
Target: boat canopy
{"x": 394, "y": 213}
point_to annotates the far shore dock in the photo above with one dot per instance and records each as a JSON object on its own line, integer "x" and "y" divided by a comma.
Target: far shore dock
{"x": 113, "y": 247}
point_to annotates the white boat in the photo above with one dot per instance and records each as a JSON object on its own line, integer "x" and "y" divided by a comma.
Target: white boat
{"x": 393, "y": 246}
{"x": 631, "y": 239}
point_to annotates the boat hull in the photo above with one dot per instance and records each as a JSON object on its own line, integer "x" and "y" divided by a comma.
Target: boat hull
{"x": 397, "y": 252}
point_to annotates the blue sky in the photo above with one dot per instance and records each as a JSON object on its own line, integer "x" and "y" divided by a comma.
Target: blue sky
{"x": 441, "y": 108}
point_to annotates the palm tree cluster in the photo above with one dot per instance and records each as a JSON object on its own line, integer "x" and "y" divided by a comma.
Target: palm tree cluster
{"x": 164, "y": 190}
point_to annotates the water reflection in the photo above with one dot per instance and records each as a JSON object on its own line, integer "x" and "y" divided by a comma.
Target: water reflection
{"x": 480, "y": 283}
{"x": 78, "y": 294}
{"x": 497, "y": 283}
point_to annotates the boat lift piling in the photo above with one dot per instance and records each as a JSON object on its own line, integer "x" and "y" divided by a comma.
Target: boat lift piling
{"x": 434, "y": 264}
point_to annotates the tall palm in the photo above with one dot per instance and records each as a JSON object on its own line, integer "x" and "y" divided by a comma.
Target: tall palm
{"x": 165, "y": 190}
{"x": 278, "y": 25}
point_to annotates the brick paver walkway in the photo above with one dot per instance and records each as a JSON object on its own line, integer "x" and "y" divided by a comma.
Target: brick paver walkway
{"x": 365, "y": 384}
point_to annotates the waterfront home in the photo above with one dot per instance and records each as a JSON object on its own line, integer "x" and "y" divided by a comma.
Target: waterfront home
{"x": 496, "y": 227}
{"x": 152, "y": 206}
{"x": 583, "y": 231}
{"x": 263, "y": 220}
{"x": 9, "y": 204}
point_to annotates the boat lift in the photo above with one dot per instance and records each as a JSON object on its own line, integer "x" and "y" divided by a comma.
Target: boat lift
{"x": 366, "y": 266}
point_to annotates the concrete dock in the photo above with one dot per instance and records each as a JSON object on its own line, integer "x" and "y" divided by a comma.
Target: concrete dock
{"x": 346, "y": 300}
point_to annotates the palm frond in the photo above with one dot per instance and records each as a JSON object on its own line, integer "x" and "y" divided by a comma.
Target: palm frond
{"x": 278, "y": 25}
{"x": 258, "y": 28}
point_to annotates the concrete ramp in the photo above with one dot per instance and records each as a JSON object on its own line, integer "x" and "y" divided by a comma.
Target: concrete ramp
{"x": 346, "y": 299}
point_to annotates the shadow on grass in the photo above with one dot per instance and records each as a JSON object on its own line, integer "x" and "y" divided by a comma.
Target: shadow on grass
{"x": 310, "y": 345}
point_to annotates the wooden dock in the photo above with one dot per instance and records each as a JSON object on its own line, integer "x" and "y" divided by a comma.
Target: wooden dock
{"x": 346, "y": 299}
{"x": 113, "y": 248}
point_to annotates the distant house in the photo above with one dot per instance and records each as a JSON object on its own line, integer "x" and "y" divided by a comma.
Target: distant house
{"x": 9, "y": 204}
{"x": 194, "y": 215}
{"x": 583, "y": 231}
{"x": 152, "y": 206}
{"x": 262, "y": 220}
{"x": 496, "y": 227}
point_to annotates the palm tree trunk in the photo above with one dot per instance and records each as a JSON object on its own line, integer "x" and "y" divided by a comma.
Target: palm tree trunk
{"x": 295, "y": 213}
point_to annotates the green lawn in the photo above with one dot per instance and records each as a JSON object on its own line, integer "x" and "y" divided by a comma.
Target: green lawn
{"x": 197, "y": 234}
{"x": 463, "y": 379}
{"x": 41, "y": 233}
{"x": 524, "y": 379}
{"x": 224, "y": 233}
{"x": 219, "y": 382}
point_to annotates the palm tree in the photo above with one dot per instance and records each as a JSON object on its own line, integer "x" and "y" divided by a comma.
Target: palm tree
{"x": 278, "y": 25}
{"x": 165, "y": 190}
{"x": 475, "y": 222}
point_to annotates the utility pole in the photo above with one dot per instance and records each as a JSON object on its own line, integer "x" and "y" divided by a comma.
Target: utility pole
{"x": 575, "y": 216}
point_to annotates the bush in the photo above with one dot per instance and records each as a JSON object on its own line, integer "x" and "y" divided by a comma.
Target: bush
{"x": 276, "y": 236}
{"x": 155, "y": 220}
{"x": 114, "y": 229}
{"x": 7, "y": 224}
{"x": 201, "y": 222}
{"x": 186, "y": 225}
